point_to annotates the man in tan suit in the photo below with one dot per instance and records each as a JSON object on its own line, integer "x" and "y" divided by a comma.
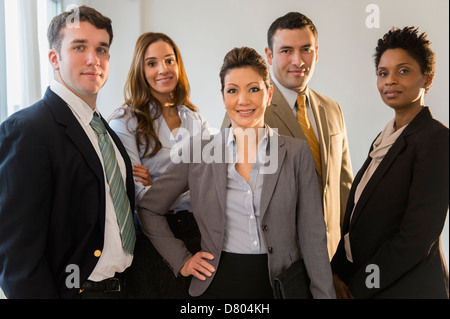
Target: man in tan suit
{"x": 292, "y": 53}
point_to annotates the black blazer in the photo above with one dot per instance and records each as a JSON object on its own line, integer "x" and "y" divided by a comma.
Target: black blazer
{"x": 52, "y": 200}
{"x": 399, "y": 217}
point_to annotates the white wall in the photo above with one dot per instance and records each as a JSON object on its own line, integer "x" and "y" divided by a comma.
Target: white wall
{"x": 205, "y": 30}
{"x": 126, "y": 17}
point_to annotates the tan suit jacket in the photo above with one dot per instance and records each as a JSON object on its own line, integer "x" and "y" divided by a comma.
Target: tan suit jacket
{"x": 336, "y": 177}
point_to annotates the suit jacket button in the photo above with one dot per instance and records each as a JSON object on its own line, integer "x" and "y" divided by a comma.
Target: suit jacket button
{"x": 97, "y": 253}
{"x": 270, "y": 249}
{"x": 265, "y": 228}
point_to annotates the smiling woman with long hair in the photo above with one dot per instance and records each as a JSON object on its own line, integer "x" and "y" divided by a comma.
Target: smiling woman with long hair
{"x": 156, "y": 113}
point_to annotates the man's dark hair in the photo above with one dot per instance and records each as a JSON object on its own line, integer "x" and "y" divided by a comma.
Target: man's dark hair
{"x": 291, "y": 21}
{"x": 84, "y": 14}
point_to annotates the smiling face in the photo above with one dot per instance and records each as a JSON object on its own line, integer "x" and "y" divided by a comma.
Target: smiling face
{"x": 82, "y": 63}
{"x": 246, "y": 97}
{"x": 293, "y": 57}
{"x": 400, "y": 80}
{"x": 161, "y": 70}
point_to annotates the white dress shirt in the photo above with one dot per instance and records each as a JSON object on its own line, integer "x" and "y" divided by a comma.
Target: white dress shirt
{"x": 113, "y": 259}
{"x": 242, "y": 210}
{"x": 125, "y": 127}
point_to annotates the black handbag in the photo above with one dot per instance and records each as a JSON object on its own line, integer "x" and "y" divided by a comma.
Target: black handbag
{"x": 293, "y": 283}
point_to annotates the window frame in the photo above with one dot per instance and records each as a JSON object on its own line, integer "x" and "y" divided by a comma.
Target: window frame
{"x": 52, "y": 7}
{"x": 3, "y": 88}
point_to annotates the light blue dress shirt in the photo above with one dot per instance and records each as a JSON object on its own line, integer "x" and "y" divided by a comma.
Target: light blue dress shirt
{"x": 125, "y": 127}
{"x": 243, "y": 220}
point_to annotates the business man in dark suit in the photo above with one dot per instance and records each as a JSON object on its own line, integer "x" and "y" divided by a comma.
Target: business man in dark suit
{"x": 59, "y": 234}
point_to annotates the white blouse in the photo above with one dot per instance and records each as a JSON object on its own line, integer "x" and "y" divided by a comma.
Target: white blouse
{"x": 125, "y": 127}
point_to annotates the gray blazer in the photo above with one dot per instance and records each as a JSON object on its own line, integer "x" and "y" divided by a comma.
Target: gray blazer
{"x": 336, "y": 177}
{"x": 290, "y": 206}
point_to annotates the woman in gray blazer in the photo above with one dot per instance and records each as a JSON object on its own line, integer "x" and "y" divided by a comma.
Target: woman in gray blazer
{"x": 254, "y": 195}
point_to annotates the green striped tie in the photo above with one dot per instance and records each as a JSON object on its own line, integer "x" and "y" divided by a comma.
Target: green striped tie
{"x": 116, "y": 185}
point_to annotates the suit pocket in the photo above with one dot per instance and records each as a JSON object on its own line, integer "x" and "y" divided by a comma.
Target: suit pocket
{"x": 336, "y": 141}
{"x": 335, "y": 154}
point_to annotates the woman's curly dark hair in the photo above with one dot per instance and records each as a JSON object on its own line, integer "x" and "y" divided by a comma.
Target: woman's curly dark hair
{"x": 417, "y": 46}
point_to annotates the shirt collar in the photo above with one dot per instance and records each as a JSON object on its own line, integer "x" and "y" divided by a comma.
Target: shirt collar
{"x": 180, "y": 108}
{"x": 290, "y": 95}
{"x": 79, "y": 108}
{"x": 386, "y": 139}
{"x": 262, "y": 145}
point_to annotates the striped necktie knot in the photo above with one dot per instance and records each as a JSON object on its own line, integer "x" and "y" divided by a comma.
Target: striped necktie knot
{"x": 98, "y": 125}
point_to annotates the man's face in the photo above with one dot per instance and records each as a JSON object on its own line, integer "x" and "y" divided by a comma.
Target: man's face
{"x": 293, "y": 57}
{"x": 82, "y": 65}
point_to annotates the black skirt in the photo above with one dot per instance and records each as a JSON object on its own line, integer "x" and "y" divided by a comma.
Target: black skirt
{"x": 240, "y": 276}
{"x": 149, "y": 277}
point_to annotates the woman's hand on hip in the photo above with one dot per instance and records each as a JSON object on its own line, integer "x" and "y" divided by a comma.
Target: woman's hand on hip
{"x": 198, "y": 266}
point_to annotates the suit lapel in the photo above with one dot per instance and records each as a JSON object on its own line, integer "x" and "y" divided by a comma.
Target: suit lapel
{"x": 384, "y": 166}
{"x": 64, "y": 116}
{"x": 220, "y": 173}
{"x": 323, "y": 131}
{"x": 283, "y": 111}
{"x": 270, "y": 180}
{"x": 386, "y": 163}
{"x": 351, "y": 196}
{"x": 220, "y": 182}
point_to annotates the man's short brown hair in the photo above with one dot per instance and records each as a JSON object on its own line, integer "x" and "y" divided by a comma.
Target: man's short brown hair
{"x": 82, "y": 13}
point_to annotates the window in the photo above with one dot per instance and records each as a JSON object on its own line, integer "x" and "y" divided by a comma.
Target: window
{"x": 24, "y": 69}
{"x": 3, "y": 112}
{"x": 24, "y": 58}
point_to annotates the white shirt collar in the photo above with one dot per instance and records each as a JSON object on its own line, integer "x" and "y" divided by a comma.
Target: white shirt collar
{"x": 79, "y": 108}
{"x": 230, "y": 137}
{"x": 290, "y": 95}
{"x": 181, "y": 108}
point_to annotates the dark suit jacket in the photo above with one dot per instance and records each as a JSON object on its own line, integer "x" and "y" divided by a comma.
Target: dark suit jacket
{"x": 290, "y": 206}
{"x": 52, "y": 200}
{"x": 399, "y": 217}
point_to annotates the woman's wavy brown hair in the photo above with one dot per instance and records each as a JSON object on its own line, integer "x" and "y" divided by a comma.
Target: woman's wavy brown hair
{"x": 138, "y": 97}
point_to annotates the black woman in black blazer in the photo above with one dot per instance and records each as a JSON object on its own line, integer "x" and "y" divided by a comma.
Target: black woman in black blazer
{"x": 399, "y": 217}
{"x": 391, "y": 244}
